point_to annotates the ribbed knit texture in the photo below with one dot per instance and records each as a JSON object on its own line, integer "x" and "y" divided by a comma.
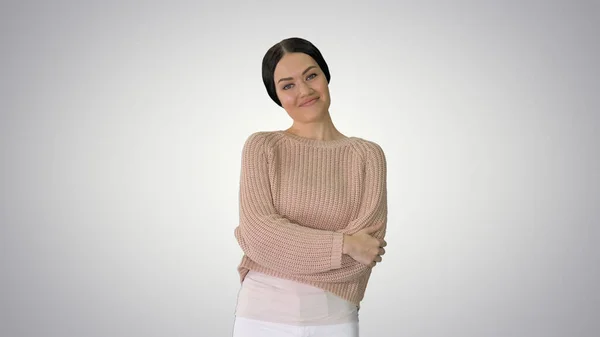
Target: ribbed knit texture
{"x": 298, "y": 196}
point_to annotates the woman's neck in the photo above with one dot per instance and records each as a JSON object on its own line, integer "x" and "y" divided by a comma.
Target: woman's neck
{"x": 319, "y": 131}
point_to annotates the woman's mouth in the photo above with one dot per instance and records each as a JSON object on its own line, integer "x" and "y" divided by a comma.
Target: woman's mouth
{"x": 309, "y": 103}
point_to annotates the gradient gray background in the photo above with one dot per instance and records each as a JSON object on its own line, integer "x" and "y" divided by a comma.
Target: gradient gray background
{"x": 121, "y": 132}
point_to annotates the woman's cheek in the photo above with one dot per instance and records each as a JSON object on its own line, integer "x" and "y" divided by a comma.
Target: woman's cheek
{"x": 287, "y": 100}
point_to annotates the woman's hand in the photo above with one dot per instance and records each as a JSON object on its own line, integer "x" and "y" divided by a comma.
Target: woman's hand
{"x": 363, "y": 247}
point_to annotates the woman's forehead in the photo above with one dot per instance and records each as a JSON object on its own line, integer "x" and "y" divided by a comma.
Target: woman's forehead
{"x": 292, "y": 64}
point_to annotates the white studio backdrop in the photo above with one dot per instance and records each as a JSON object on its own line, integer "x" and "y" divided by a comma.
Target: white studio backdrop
{"x": 122, "y": 124}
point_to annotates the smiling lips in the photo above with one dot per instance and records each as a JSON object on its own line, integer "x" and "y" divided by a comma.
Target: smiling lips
{"x": 309, "y": 102}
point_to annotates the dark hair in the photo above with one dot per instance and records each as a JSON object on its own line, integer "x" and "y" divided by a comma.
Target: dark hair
{"x": 275, "y": 53}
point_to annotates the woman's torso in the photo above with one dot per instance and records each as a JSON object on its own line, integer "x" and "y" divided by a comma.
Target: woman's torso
{"x": 316, "y": 184}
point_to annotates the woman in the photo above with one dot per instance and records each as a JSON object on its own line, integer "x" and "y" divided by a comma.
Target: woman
{"x": 313, "y": 209}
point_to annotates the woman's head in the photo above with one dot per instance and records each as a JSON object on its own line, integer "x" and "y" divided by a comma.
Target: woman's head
{"x": 294, "y": 73}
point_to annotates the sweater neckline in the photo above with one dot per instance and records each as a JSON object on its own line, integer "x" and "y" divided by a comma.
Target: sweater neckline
{"x": 315, "y": 142}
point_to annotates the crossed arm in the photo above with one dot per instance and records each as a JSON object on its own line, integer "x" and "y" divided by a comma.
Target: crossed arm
{"x": 275, "y": 242}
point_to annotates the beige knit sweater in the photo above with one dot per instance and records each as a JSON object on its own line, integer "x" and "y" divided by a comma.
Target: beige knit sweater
{"x": 298, "y": 196}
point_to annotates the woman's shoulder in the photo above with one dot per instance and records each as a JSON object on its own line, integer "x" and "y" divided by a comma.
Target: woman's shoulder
{"x": 369, "y": 144}
{"x": 368, "y": 147}
{"x": 264, "y": 136}
{"x": 262, "y": 139}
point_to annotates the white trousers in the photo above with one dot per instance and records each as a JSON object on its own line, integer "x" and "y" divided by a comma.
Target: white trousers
{"x": 244, "y": 327}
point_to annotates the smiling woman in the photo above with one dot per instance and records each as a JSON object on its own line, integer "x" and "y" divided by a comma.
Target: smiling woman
{"x": 313, "y": 209}
{"x": 304, "y": 95}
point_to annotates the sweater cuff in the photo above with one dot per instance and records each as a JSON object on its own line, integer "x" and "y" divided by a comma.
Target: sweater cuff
{"x": 336, "y": 250}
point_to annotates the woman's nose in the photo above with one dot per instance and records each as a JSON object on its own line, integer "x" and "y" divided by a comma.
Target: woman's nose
{"x": 304, "y": 89}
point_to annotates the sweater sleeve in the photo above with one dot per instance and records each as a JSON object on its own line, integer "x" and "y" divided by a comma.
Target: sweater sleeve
{"x": 373, "y": 212}
{"x": 270, "y": 239}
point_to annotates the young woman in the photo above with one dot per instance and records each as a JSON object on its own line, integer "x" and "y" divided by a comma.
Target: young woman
{"x": 313, "y": 209}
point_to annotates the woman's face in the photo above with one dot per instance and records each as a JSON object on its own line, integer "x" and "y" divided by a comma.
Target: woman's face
{"x": 302, "y": 88}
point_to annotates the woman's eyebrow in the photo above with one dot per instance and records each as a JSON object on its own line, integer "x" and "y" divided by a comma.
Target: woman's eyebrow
{"x": 290, "y": 78}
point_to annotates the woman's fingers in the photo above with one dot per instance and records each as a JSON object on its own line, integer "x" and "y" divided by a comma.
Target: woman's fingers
{"x": 367, "y": 249}
{"x": 370, "y": 230}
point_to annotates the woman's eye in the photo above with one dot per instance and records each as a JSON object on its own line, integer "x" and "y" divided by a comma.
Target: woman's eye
{"x": 311, "y": 76}
{"x": 287, "y": 86}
